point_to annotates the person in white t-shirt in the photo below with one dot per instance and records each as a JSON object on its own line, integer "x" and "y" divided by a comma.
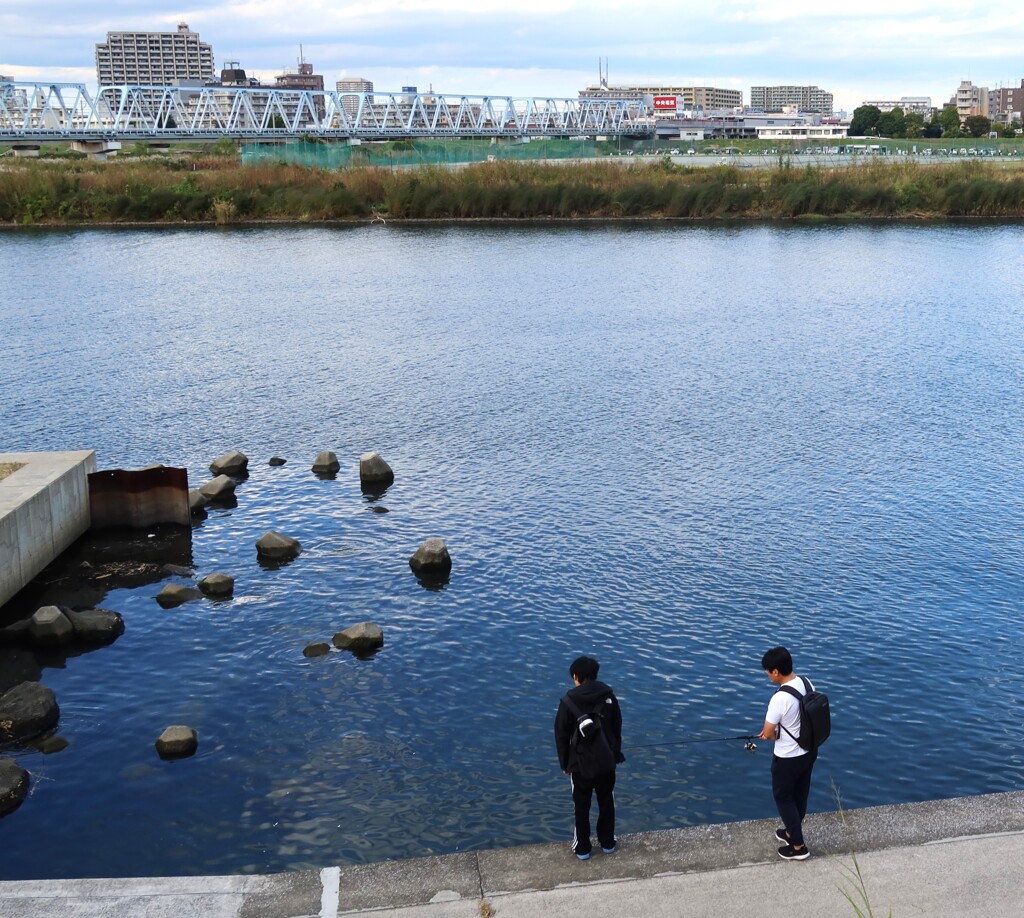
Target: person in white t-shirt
{"x": 791, "y": 765}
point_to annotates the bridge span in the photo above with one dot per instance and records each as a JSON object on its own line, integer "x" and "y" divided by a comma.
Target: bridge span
{"x": 70, "y": 112}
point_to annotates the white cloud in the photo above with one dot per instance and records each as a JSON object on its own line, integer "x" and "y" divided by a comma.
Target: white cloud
{"x": 551, "y": 47}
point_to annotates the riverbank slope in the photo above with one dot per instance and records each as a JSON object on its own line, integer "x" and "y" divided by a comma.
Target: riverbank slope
{"x": 208, "y": 190}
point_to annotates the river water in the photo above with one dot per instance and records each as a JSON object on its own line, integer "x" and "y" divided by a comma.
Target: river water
{"x": 669, "y": 446}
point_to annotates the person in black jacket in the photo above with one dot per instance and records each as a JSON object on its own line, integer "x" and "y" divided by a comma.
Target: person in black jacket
{"x": 588, "y": 695}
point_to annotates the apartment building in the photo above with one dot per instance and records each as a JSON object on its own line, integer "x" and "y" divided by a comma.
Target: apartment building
{"x": 803, "y": 98}
{"x": 1006, "y": 104}
{"x": 353, "y": 85}
{"x": 300, "y": 78}
{"x": 154, "y": 58}
{"x": 919, "y": 105}
{"x": 970, "y": 100}
{"x": 706, "y": 98}
{"x": 303, "y": 78}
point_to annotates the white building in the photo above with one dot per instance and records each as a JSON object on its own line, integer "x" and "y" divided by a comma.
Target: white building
{"x": 353, "y": 85}
{"x": 813, "y": 132}
{"x": 804, "y": 98}
{"x": 919, "y": 105}
{"x": 154, "y": 59}
{"x": 970, "y": 100}
{"x": 688, "y": 98}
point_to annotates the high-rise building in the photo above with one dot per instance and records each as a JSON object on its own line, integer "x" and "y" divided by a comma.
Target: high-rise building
{"x": 803, "y": 98}
{"x": 154, "y": 58}
{"x": 350, "y": 87}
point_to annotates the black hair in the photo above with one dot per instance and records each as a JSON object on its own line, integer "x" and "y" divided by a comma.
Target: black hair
{"x": 584, "y": 668}
{"x": 778, "y": 658}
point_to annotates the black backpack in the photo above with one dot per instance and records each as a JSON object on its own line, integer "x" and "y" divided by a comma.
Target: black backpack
{"x": 815, "y": 719}
{"x": 594, "y": 756}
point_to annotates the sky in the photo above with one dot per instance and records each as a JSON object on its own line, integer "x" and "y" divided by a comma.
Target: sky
{"x": 863, "y": 50}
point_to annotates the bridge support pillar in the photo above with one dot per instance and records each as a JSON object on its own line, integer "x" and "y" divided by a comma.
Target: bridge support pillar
{"x": 25, "y": 149}
{"x": 97, "y": 149}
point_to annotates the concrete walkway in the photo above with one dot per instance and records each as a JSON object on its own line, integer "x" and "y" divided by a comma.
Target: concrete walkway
{"x": 943, "y": 858}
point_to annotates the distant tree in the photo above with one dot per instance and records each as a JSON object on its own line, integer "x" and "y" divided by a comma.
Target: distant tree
{"x": 950, "y": 121}
{"x": 1011, "y": 129}
{"x": 977, "y": 125}
{"x": 913, "y": 125}
{"x": 224, "y": 146}
{"x": 891, "y": 123}
{"x": 865, "y": 121}
{"x": 934, "y": 127}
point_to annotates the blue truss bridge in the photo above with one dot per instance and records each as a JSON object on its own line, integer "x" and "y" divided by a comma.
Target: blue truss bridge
{"x": 69, "y": 112}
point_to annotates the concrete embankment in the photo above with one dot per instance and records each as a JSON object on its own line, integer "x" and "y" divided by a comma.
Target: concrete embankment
{"x": 44, "y": 507}
{"x": 945, "y": 857}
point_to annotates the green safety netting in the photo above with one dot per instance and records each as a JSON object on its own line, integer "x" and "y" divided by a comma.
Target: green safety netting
{"x": 425, "y": 152}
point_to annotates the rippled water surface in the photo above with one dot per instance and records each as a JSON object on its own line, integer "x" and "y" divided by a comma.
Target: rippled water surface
{"x": 670, "y": 447}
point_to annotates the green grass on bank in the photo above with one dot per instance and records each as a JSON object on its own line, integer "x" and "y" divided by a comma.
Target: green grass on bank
{"x": 219, "y": 189}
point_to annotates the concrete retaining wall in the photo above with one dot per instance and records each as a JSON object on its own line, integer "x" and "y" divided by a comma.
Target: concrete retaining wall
{"x": 44, "y": 507}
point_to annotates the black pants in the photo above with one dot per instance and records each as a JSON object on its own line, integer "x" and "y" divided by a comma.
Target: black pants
{"x": 791, "y": 785}
{"x": 582, "y": 792}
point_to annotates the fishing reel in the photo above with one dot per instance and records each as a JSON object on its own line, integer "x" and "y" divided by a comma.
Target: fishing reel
{"x": 750, "y": 746}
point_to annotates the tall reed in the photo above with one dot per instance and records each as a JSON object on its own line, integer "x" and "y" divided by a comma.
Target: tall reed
{"x": 201, "y": 190}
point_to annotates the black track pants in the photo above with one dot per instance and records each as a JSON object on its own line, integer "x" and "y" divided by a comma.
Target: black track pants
{"x": 582, "y": 791}
{"x": 791, "y": 784}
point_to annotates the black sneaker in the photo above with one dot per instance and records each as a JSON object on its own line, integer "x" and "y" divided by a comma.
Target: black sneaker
{"x": 782, "y": 835}
{"x": 789, "y": 853}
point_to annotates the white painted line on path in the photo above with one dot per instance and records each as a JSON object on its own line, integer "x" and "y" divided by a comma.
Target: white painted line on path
{"x": 330, "y": 880}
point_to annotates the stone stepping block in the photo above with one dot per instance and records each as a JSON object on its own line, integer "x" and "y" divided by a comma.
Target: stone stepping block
{"x": 177, "y": 742}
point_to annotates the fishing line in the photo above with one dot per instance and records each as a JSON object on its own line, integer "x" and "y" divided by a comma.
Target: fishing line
{"x": 749, "y": 745}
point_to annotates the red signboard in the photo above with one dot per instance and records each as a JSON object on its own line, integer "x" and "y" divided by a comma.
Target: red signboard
{"x": 664, "y": 103}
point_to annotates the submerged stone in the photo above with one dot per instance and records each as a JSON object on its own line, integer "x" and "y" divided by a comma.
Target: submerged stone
{"x": 217, "y": 586}
{"x": 219, "y": 488}
{"x": 96, "y": 626}
{"x": 50, "y": 627}
{"x": 326, "y": 463}
{"x": 197, "y": 501}
{"x": 273, "y": 546}
{"x": 27, "y": 710}
{"x": 175, "y": 594}
{"x": 431, "y": 559}
{"x": 360, "y": 638}
{"x": 374, "y": 470}
{"x": 13, "y": 786}
{"x": 231, "y": 463}
{"x": 177, "y": 742}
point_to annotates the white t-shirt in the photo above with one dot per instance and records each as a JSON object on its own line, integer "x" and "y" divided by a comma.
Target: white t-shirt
{"x": 784, "y": 709}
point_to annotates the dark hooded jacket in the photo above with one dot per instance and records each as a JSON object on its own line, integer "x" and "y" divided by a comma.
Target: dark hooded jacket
{"x": 587, "y": 697}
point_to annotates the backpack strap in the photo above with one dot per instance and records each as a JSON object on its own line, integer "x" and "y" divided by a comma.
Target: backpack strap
{"x": 574, "y": 708}
{"x": 789, "y": 690}
{"x": 579, "y": 712}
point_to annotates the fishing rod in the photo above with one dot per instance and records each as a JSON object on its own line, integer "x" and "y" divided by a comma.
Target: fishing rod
{"x": 749, "y": 745}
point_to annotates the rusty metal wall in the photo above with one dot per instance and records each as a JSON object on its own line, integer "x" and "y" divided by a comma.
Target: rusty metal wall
{"x": 149, "y": 497}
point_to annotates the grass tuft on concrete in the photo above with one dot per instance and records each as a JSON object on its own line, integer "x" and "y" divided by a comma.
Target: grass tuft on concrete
{"x": 9, "y": 468}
